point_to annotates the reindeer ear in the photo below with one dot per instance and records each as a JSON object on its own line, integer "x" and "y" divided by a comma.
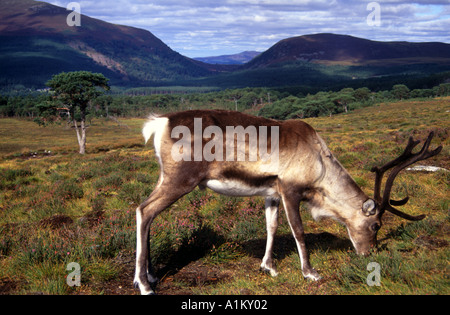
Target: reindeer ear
{"x": 369, "y": 207}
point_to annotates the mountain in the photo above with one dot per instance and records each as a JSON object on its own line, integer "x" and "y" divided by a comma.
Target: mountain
{"x": 332, "y": 49}
{"x": 333, "y": 62}
{"x": 36, "y": 42}
{"x": 236, "y": 59}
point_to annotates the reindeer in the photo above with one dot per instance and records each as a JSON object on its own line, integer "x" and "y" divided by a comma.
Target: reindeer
{"x": 299, "y": 167}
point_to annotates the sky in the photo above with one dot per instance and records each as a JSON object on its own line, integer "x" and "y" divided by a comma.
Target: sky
{"x": 200, "y": 28}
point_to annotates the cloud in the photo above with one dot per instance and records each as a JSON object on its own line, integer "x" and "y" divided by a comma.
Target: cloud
{"x": 205, "y": 27}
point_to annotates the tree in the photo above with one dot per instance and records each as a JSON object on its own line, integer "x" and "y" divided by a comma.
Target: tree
{"x": 343, "y": 98}
{"x": 281, "y": 109}
{"x": 400, "y": 91}
{"x": 444, "y": 89}
{"x": 362, "y": 94}
{"x": 72, "y": 93}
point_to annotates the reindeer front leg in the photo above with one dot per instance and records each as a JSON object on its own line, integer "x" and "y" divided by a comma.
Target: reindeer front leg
{"x": 271, "y": 225}
{"x": 291, "y": 201}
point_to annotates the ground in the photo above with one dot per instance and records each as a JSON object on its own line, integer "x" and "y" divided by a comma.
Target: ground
{"x": 58, "y": 207}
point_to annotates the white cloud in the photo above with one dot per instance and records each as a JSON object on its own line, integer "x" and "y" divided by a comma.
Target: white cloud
{"x": 205, "y": 27}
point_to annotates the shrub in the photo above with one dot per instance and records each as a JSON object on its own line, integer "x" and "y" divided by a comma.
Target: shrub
{"x": 113, "y": 181}
{"x": 98, "y": 202}
{"x": 10, "y": 178}
{"x": 67, "y": 190}
{"x": 225, "y": 252}
{"x": 134, "y": 192}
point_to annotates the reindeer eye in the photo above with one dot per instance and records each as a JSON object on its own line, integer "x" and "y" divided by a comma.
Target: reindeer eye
{"x": 375, "y": 227}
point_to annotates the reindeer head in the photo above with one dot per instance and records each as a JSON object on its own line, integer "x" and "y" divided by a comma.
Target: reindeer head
{"x": 364, "y": 236}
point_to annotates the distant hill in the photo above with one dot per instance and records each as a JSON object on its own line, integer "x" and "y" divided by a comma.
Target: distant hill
{"x": 332, "y": 62}
{"x": 332, "y": 49}
{"x": 236, "y": 59}
{"x": 36, "y": 42}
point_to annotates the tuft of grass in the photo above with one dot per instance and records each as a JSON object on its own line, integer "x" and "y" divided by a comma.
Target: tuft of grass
{"x": 228, "y": 251}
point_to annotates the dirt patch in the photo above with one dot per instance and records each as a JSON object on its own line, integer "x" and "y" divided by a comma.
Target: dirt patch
{"x": 430, "y": 242}
{"x": 56, "y": 221}
{"x": 93, "y": 218}
{"x": 194, "y": 275}
{"x": 181, "y": 282}
{"x": 7, "y": 286}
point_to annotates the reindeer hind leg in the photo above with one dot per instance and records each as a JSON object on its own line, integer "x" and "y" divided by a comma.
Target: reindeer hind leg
{"x": 161, "y": 198}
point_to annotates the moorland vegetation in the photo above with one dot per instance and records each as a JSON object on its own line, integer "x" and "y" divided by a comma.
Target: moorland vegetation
{"x": 57, "y": 207}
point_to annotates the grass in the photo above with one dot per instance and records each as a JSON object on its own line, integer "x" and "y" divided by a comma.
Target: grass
{"x": 59, "y": 207}
{"x": 23, "y": 138}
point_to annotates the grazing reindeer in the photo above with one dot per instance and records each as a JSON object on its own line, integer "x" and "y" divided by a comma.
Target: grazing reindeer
{"x": 197, "y": 148}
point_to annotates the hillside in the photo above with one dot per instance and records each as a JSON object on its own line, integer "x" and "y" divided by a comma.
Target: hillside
{"x": 332, "y": 62}
{"x": 36, "y": 42}
{"x": 236, "y": 59}
{"x": 332, "y": 49}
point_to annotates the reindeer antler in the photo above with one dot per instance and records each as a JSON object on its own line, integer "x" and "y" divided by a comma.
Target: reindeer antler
{"x": 404, "y": 160}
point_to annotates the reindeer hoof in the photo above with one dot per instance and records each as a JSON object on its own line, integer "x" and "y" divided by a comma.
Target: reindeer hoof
{"x": 312, "y": 275}
{"x": 268, "y": 267}
{"x": 143, "y": 290}
{"x": 269, "y": 271}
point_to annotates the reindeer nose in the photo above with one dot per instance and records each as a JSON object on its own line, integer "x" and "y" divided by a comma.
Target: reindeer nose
{"x": 375, "y": 227}
{"x": 364, "y": 253}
